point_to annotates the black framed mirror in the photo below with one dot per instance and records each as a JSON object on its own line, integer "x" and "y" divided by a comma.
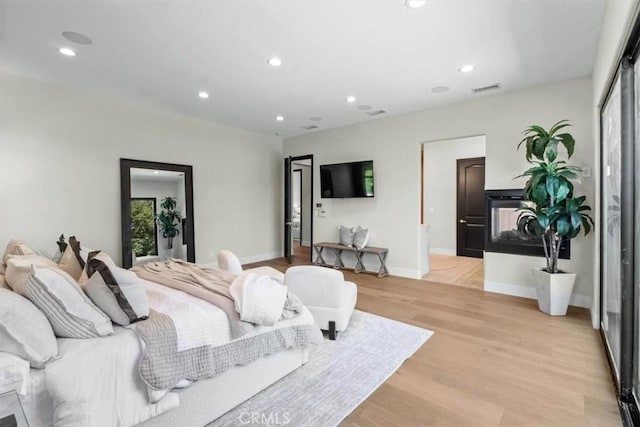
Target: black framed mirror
{"x": 168, "y": 188}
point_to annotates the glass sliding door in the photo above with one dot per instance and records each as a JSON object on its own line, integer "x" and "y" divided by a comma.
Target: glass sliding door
{"x": 636, "y": 386}
{"x": 611, "y": 259}
{"x": 620, "y": 228}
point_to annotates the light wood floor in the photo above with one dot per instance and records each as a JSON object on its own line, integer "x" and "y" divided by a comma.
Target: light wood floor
{"x": 494, "y": 360}
{"x": 456, "y": 270}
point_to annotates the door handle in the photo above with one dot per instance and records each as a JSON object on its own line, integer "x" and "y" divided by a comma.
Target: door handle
{"x": 288, "y": 223}
{"x": 462, "y": 221}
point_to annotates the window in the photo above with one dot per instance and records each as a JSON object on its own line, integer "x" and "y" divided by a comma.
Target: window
{"x": 144, "y": 234}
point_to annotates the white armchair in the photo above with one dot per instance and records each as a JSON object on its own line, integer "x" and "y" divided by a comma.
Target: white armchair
{"x": 325, "y": 293}
{"x": 228, "y": 261}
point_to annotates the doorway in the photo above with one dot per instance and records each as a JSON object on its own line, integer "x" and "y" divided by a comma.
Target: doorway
{"x": 298, "y": 218}
{"x": 452, "y": 250}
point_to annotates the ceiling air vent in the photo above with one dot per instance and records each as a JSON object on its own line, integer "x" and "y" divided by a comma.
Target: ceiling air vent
{"x": 376, "y": 113}
{"x": 310, "y": 127}
{"x": 486, "y": 88}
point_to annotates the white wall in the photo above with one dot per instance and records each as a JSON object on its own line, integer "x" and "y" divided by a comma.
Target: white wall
{"x": 616, "y": 25}
{"x": 393, "y": 143}
{"x": 441, "y": 188}
{"x": 59, "y": 170}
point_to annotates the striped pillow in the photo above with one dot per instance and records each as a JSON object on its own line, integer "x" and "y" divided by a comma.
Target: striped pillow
{"x": 70, "y": 312}
{"x": 118, "y": 292}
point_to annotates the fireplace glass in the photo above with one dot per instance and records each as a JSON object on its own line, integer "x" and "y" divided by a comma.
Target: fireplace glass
{"x": 502, "y": 231}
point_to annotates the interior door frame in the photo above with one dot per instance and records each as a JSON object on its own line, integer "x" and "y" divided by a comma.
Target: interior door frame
{"x": 299, "y": 172}
{"x": 288, "y": 210}
{"x": 288, "y": 199}
{"x": 458, "y": 201}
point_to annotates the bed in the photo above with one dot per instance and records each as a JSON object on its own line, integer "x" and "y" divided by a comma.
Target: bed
{"x": 97, "y": 381}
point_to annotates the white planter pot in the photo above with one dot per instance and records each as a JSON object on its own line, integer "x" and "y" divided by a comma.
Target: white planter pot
{"x": 168, "y": 254}
{"x": 554, "y": 291}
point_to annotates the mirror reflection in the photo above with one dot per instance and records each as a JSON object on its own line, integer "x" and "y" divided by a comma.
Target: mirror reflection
{"x": 157, "y": 209}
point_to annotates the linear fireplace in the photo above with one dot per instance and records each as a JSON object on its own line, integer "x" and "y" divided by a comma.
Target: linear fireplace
{"x": 501, "y": 232}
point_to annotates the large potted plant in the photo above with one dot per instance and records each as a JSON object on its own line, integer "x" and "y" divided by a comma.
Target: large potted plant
{"x": 554, "y": 212}
{"x": 168, "y": 219}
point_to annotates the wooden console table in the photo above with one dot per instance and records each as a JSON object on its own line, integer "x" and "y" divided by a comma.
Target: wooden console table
{"x": 359, "y": 268}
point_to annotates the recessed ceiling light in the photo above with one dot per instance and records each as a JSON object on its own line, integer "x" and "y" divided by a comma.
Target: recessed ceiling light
{"x": 466, "y": 68}
{"x": 72, "y": 36}
{"x": 203, "y": 95}
{"x": 439, "y": 89}
{"x": 351, "y": 99}
{"x": 364, "y": 107}
{"x": 274, "y": 62}
{"x": 279, "y": 118}
{"x": 156, "y": 172}
{"x": 67, "y": 51}
{"x": 415, "y": 4}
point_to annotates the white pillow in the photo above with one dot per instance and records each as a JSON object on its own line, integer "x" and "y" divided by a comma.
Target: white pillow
{"x": 346, "y": 235}
{"x": 361, "y": 237}
{"x": 70, "y": 312}
{"x": 25, "y": 331}
{"x": 118, "y": 292}
{"x": 74, "y": 259}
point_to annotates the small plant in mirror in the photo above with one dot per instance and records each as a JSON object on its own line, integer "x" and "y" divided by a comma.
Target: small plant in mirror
{"x": 169, "y": 219}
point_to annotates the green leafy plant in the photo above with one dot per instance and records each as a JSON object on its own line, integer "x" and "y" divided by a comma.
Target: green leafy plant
{"x": 554, "y": 212}
{"x": 143, "y": 230}
{"x": 168, "y": 219}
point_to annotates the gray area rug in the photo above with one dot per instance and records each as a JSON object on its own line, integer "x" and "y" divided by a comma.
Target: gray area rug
{"x": 338, "y": 377}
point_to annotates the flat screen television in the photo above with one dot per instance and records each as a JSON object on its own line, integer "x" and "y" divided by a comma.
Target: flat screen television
{"x": 345, "y": 180}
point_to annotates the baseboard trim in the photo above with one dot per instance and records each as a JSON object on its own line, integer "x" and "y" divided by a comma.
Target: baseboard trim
{"x": 305, "y": 243}
{"x": 404, "y": 272}
{"x": 443, "y": 251}
{"x": 530, "y": 293}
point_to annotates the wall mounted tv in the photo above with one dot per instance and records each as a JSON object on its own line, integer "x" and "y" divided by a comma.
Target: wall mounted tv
{"x": 344, "y": 180}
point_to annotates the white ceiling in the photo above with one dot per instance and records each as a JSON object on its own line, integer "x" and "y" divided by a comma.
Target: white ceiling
{"x": 387, "y": 55}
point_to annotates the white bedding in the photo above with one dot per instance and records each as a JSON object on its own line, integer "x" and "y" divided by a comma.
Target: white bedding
{"x": 15, "y": 374}
{"x": 37, "y": 403}
{"x": 96, "y": 381}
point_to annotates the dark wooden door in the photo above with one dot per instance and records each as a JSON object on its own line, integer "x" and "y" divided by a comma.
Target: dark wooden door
{"x": 471, "y": 214}
{"x": 288, "y": 210}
